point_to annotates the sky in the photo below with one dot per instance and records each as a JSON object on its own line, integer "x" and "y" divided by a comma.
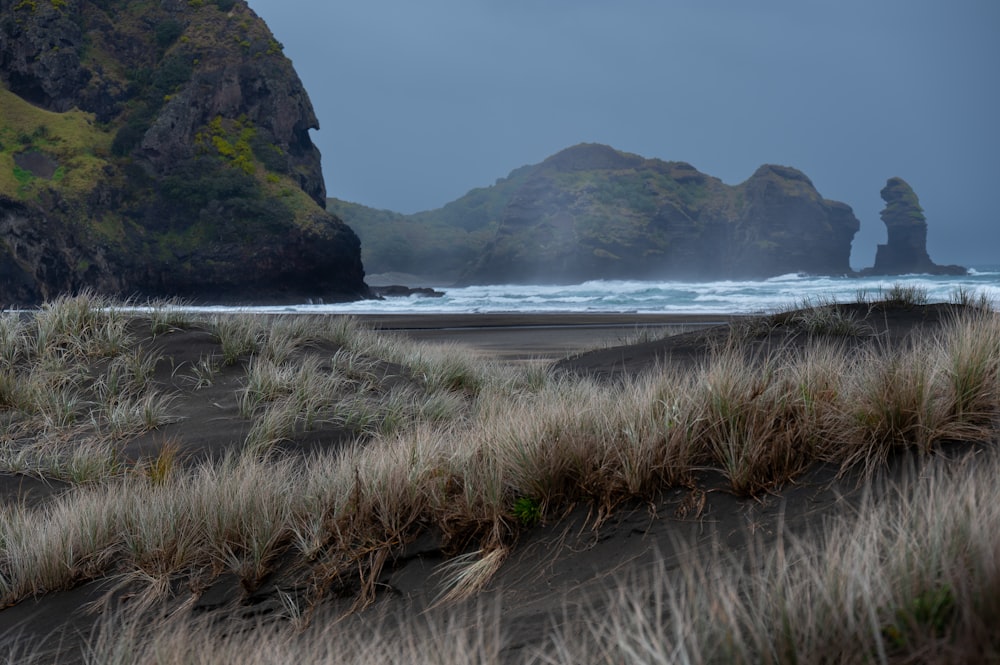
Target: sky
{"x": 419, "y": 102}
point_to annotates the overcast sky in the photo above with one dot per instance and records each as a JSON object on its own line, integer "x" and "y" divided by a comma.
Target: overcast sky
{"x": 419, "y": 102}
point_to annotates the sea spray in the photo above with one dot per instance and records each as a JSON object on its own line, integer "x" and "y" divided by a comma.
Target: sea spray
{"x": 672, "y": 297}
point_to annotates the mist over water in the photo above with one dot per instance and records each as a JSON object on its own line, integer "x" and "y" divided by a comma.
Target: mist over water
{"x": 729, "y": 297}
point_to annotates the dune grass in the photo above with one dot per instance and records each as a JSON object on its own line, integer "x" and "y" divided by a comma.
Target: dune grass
{"x": 447, "y": 442}
{"x": 72, "y": 384}
{"x": 910, "y": 575}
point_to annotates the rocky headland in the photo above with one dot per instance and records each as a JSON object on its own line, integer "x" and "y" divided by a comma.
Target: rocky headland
{"x": 160, "y": 149}
{"x": 905, "y": 251}
{"x": 593, "y": 212}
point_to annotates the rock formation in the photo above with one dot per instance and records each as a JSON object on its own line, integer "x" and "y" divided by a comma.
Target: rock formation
{"x": 592, "y": 212}
{"x": 905, "y": 251}
{"x": 160, "y": 148}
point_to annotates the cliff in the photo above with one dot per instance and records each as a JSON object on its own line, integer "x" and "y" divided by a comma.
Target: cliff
{"x": 160, "y": 148}
{"x": 434, "y": 246}
{"x": 591, "y": 212}
{"x": 905, "y": 251}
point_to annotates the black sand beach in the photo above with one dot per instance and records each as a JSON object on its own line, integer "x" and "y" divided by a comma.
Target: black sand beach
{"x": 576, "y": 555}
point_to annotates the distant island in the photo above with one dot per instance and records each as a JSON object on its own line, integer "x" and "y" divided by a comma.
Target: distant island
{"x": 593, "y": 212}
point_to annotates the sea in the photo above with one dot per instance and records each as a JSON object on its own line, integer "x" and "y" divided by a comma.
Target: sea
{"x": 655, "y": 297}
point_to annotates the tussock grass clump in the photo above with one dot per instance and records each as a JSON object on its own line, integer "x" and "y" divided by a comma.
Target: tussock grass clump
{"x": 830, "y": 320}
{"x": 285, "y": 337}
{"x": 446, "y": 367}
{"x": 970, "y": 298}
{"x": 896, "y": 403}
{"x": 231, "y": 515}
{"x": 129, "y": 373}
{"x": 971, "y": 361}
{"x": 70, "y": 456}
{"x": 578, "y": 440}
{"x": 816, "y": 317}
{"x": 911, "y": 577}
{"x": 943, "y": 388}
{"x": 204, "y": 370}
{"x": 267, "y": 381}
{"x": 350, "y": 392}
{"x": 168, "y": 314}
{"x": 71, "y": 383}
{"x": 757, "y": 425}
{"x": 86, "y": 324}
{"x": 127, "y": 416}
{"x": 903, "y": 295}
{"x": 239, "y": 335}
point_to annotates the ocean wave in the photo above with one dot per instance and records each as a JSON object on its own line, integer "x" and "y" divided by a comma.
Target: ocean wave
{"x": 718, "y": 297}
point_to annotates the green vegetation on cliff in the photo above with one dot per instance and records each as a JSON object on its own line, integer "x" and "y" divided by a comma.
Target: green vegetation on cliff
{"x": 436, "y": 244}
{"x": 166, "y": 147}
{"x": 902, "y": 206}
{"x": 72, "y": 144}
{"x": 593, "y": 212}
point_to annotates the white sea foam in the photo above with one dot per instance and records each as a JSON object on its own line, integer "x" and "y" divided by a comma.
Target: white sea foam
{"x": 723, "y": 297}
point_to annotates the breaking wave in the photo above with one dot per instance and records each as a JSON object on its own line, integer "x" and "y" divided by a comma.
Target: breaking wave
{"x": 722, "y": 297}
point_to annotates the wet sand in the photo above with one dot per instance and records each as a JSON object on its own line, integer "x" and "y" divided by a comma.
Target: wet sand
{"x": 524, "y": 337}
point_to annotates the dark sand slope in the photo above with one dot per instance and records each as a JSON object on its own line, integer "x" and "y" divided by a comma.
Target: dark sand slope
{"x": 854, "y": 326}
{"x": 562, "y": 563}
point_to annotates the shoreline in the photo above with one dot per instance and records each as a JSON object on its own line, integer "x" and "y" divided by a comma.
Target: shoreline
{"x": 538, "y": 336}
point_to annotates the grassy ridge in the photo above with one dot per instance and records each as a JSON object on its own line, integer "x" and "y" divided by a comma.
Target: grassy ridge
{"x": 478, "y": 452}
{"x": 73, "y": 139}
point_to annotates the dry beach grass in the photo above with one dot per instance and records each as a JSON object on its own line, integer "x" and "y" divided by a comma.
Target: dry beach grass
{"x": 284, "y": 488}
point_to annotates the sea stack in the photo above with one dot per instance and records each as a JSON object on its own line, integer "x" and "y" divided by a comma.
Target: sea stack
{"x": 905, "y": 251}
